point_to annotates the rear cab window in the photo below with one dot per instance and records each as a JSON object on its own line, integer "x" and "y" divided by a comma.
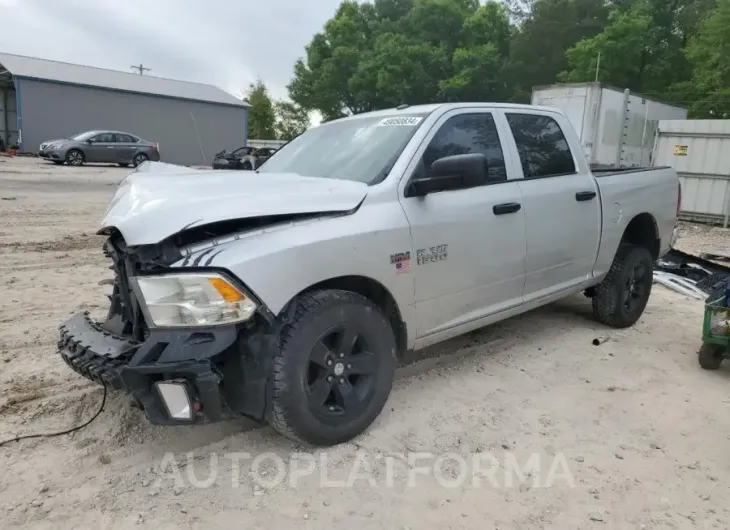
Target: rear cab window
{"x": 542, "y": 146}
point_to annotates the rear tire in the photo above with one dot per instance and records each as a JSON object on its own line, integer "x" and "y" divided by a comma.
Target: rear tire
{"x": 75, "y": 158}
{"x": 139, "y": 158}
{"x": 620, "y": 299}
{"x": 334, "y": 368}
{"x": 710, "y": 356}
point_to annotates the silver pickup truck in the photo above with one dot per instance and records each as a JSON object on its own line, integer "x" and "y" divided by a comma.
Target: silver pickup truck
{"x": 287, "y": 294}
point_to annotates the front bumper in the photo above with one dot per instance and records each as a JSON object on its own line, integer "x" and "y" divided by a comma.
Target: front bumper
{"x": 223, "y": 367}
{"x": 50, "y": 155}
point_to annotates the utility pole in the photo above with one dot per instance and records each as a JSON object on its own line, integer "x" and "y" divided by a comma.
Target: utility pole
{"x": 598, "y": 66}
{"x": 140, "y": 68}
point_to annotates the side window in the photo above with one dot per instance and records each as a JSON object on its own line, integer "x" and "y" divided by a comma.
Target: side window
{"x": 125, "y": 139}
{"x": 104, "y": 138}
{"x": 543, "y": 149}
{"x": 468, "y": 134}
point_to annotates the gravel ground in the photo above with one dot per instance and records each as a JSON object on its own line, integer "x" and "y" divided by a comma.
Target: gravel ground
{"x": 616, "y": 436}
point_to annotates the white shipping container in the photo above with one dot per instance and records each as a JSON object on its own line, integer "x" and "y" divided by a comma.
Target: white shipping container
{"x": 616, "y": 128}
{"x": 699, "y": 150}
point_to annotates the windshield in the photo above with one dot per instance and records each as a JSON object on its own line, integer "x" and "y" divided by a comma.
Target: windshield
{"x": 360, "y": 149}
{"x": 83, "y": 136}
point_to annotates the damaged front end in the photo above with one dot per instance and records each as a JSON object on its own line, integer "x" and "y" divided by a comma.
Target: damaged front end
{"x": 177, "y": 374}
{"x": 189, "y": 340}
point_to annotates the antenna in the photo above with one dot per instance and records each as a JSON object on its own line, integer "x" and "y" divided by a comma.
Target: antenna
{"x": 140, "y": 68}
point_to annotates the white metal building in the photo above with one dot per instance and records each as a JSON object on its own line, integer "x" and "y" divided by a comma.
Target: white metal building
{"x": 44, "y": 100}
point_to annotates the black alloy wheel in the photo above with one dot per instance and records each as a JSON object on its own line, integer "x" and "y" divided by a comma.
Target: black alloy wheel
{"x": 340, "y": 373}
{"x": 334, "y": 368}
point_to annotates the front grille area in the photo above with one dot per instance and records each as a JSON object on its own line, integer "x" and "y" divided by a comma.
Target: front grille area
{"x": 125, "y": 316}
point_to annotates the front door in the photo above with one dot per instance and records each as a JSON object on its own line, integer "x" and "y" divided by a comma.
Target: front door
{"x": 468, "y": 250}
{"x": 102, "y": 148}
{"x": 561, "y": 203}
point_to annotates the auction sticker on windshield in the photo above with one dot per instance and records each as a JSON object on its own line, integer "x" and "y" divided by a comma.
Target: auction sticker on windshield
{"x": 407, "y": 121}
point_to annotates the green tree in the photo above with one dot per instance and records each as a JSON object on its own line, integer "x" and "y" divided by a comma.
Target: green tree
{"x": 624, "y": 51}
{"x": 546, "y": 32}
{"x": 709, "y": 52}
{"x": 291, "y": 120}
{"x": 478, "y": 65}
{"x": 261, "y": 115}
{"x": 377, "y": 55}
{"x": 642, "y": 46}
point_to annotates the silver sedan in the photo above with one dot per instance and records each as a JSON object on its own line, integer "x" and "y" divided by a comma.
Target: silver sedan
{"x": 105, "y": 147}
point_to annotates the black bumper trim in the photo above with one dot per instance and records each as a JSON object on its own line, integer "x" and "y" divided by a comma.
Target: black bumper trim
{"x": 93, "y": 352}
{"x": 225, "y": 366}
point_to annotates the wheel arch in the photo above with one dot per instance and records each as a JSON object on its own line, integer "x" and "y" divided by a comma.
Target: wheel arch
{"x": 643, "y": 231}
{"x": 79, "y": 149}
{"x": 374, "y": 291}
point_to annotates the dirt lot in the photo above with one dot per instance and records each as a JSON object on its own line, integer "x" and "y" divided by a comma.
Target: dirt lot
{"x": 629, "y": 434}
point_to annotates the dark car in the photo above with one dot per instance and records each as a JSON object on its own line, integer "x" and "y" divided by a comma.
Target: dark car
{"x": 246, "y": 158}
{"x": 105, "y": 147}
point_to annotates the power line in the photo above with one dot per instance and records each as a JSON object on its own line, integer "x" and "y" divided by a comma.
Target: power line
{"x": 140, "y": 68}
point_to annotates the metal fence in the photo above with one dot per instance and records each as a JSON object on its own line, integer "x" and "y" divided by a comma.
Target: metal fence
{"x": 699, "y": 150}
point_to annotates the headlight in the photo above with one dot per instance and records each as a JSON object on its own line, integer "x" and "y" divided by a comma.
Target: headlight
{"x": 205, "y": 299}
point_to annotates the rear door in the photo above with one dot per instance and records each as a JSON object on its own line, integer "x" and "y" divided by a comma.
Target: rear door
{"x": 468, "y": 254}
{"x": 561, "y": 203}
{"x": 125, "y": 148}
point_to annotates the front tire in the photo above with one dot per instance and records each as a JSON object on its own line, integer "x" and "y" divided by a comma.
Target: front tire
{"x": 334, "y": 368}
{"x": 620, "y": 299}
{"x": 75, "y": 158}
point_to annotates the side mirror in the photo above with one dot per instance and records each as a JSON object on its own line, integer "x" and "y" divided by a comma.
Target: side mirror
{"x": 451, "y": 173}
{"x": 89, "y": 141}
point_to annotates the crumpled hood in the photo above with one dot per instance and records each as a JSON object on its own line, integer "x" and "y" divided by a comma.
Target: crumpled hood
{"x": 159, "y": 200}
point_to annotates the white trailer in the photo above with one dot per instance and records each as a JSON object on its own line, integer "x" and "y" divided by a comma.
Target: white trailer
{"x": 616, "y": 127}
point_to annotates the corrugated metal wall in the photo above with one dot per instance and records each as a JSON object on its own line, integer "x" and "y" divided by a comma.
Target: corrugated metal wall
{"x": 188, "y": 132}
{"x": 8, "y": 116}
{"x": 700, "y": 152}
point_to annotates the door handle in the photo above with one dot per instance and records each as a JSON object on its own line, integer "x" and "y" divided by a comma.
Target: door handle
{"x": 508, "y": 207}
{"x": 585, "y": 195}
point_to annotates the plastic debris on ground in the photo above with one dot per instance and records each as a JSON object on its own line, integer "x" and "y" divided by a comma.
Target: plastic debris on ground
{"x": 690, "y": 275}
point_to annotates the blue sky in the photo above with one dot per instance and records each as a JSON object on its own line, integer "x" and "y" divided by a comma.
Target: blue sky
{"x": 228, "y": 43}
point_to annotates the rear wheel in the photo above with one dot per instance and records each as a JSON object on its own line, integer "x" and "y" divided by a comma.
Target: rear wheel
{"x": 139, "y": 158}
{"x": 620, "y": 299}
{"x": 710, "y": 356}
{"x": 74, "y": 157}
{"x": 334, "y": 369}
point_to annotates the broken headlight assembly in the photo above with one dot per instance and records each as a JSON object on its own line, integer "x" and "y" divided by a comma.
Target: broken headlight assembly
{"x": 190, "y": 300}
